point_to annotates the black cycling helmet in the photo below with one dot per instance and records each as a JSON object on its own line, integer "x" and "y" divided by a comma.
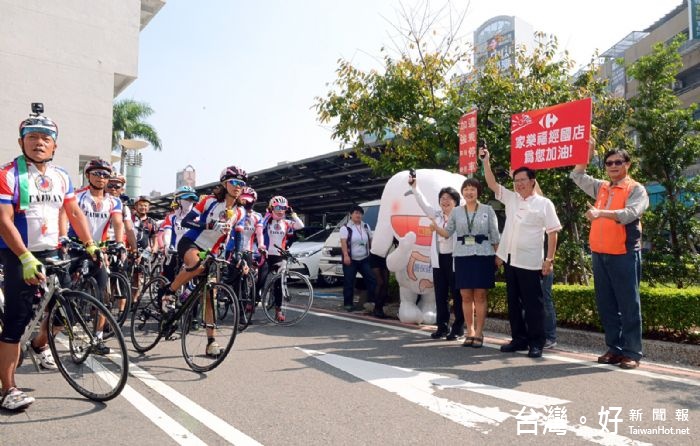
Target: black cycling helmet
{"x": 97, "y": 164}
{"x": 143, "y": 198}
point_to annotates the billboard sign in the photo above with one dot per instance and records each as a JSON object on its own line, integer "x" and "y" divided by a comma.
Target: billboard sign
{"x": 694, "y": 19}
{"x": 467, "y": 143}
{"x": 550, "y": 137}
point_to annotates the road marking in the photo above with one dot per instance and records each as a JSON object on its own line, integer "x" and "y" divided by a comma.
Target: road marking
{"x": 208, "y": 419}
{"x": 416, "y": 331}
{"x": 419, "y": 388}
{"x": 167, "y": 424}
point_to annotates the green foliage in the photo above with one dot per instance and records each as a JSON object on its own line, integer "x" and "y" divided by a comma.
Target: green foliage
{"x": 668, "y": 144}
{"x": 663, "y": 309}
{"x": 128, "y": 122}
{"x": 418, "y": 99}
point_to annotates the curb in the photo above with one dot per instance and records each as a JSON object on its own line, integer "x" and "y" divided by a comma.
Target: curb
{"x": 657, "y": 351}
{"x": 577, "y": 340}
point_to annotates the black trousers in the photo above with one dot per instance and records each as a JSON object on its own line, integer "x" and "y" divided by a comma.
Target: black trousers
{"x": 443, "y": 280}
{"x": 525, "y": 306}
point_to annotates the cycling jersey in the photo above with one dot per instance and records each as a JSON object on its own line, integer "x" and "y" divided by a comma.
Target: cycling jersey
{"x": 38, "y": 224}
{"x": 251, "y": 223}
{"x": 97, "y": 212}
{"x": 172, "y": 225}
{"x": 126, "y": 215}
{"x": 208, "y": 212}
{"x": 276, "y": 232}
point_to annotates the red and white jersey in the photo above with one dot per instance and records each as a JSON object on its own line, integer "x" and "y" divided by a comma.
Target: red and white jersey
{"x": 38, "y": 224}
{"x": 277, "y": 231}
{"x": 126, "y": 215}
{"x": 209, "y": 211}
{"x": 98, "y": 212}
{"x": 251, "y": 223}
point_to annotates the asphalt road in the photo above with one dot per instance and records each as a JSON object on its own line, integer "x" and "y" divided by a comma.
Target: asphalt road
{"x": 344, "y": 379}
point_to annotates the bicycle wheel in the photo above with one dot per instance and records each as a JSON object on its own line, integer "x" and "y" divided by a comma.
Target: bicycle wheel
{"x": 215, "y": 314}
{"x": 246, "y": 299}
{"x": 146, "y": 317}
{"x": 81, "y": 358}
{"x": 295, "y": 296}
{"x": 118, "y": 301}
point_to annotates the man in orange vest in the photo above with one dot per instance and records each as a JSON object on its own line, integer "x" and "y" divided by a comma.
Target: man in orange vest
{"x": 615, "y": 240}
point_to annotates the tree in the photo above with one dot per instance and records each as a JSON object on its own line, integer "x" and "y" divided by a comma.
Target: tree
{"x": 540, "y": 78}
{"x": 669, "y": 143}
{"x": 128, "y": 122}
{"x": 412, "y": 107}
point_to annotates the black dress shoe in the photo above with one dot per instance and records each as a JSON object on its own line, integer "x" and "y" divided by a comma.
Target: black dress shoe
{"x": 513, "y": 347}
{"x": 454, "y": 336}
{"x": 438, "y": 334}
{"x": 379, "y": 314}
{"x": 535, "y": 352}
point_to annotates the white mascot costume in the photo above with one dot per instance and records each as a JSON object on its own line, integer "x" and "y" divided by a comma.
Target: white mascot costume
{"x": 400, "y": 217}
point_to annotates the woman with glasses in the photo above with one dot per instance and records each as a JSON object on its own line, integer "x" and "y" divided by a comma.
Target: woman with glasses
{"x": 276, "y": 229}
{"x": 476, "y": 229}
{"x": 209, "y": 223}
{"x": 115, "y": 187}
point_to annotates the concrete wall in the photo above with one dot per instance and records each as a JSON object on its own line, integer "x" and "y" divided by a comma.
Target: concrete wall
{"x": 75, "y": 56}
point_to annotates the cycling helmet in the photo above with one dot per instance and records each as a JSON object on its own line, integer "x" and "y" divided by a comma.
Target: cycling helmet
{"x": 40, "y": 124}
{"x": 185, "y": 193}
{"x": 278, "y": 201}
{"x": 143, "y": 198}
{"x": 116, "y": 177}
{"x": 97, "y": 164}
{"x": 233, "y": 172}
{"x": 248, "y": 194}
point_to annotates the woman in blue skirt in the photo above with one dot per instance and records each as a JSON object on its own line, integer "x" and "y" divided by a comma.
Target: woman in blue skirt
{"x": 476, "y": 229}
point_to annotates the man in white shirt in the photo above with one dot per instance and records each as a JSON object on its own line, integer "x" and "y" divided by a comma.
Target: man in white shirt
{"x": 528, "y": 217}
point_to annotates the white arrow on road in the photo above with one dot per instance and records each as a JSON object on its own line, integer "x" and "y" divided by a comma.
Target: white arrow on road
{"x": 419, "y": 387}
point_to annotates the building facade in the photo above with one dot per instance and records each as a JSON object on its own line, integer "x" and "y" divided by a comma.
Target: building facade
{"x": 499, "y": 37}
{"x": 75, "y": 56}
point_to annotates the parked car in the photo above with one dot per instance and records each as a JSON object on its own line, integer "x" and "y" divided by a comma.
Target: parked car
{"x": 308, "y": 252}
{"x": 331, "y": 260}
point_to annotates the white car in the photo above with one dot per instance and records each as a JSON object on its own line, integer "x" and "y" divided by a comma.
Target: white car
{"x": 308, "y": 252}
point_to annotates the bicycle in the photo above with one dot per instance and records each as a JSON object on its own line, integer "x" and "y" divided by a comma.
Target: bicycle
{"x": 210, "y": 305}
{"x": 117, "y": 298}
{"x": 72, "y": 322}
{"x": 292, "y": 302}
{"x": 246, "y": 289}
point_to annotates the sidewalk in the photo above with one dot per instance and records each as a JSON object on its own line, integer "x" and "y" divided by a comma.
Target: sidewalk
{"x": 575, "y": 341}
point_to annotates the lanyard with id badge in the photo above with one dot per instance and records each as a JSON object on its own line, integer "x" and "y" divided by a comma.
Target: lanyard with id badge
{"x": 469, "y": 239}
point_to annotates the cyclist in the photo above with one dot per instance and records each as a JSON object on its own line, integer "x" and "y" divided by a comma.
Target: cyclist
{"x": 146, "y": 230}
{"x": 251, "y": 242}
{"x": 115, "y": 187}
{"x": 32, "y": 192}
{"x": 102, "y": 211}
{"x": 276, "y": 229}
{"x": 172, "y": 229}
{"x": 209, "y": 223}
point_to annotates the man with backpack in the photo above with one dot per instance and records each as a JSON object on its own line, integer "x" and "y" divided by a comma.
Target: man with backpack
{"x": 355, "y": 242}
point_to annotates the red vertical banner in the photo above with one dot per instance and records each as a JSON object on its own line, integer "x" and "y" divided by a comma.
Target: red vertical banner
{"x": 467, "y": 143}
{"x": 550, "y": 137}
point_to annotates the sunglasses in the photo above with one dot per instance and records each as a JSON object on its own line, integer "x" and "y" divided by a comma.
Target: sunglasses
{"x": 236, "y": 183}
{"x": 615, "y": 163}
{"x": 100, "y": 174}
{"x": 114, "y": 186}
{"x": 279, "y": 208}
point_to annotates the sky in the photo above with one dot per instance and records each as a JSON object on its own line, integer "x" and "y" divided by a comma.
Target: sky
{"x": 234, "y": 82}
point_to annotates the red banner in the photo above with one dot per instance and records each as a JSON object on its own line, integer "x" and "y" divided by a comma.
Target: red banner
{"x": 555, "y": 136}
{"x": 467, "y": 143}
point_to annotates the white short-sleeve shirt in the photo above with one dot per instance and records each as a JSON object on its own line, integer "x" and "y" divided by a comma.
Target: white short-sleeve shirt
{"x": 527, "y": 220}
